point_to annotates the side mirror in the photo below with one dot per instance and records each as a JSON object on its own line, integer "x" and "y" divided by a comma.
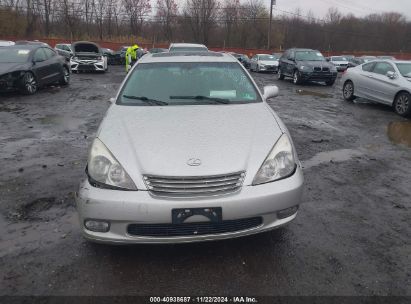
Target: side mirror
{"x": 112, "y": 100}
{"x": 391, "y": 75}
{"x": 270, "y": 92}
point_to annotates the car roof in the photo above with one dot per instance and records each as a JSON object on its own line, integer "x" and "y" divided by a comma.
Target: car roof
{"x": 26, "y": 46}
{"x": 264, "y": 54}
{"x": 298, "y": 49}
{"x": 188, "y": 57}
{"x": 187, "y": 45}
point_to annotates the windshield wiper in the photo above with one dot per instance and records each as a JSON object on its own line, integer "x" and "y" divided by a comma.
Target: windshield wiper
{"x": 147, "y": 100}
{"x": 201, "y": 97}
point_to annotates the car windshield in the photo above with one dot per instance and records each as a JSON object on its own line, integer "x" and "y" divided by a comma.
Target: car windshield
{"x": 188, "y": 49}
{"x": 339, "y": 58}
{"x": 13, "y": 55}
{"x": 405, "y": 69}
{"x": 309, "y": 56}
{"x": 188, "y": 83}
{"x": 268, "y": 58}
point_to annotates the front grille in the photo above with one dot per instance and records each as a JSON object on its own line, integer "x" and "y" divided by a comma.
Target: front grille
{"x": 194, "y": 185}
{"x": 321, "y": 69}
{"x": 86, "y": 67}
{"x": 190, "y": 229}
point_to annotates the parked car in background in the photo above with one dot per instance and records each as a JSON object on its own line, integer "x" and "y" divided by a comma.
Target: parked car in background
{"x": 157, "y": 50}
{"x": 109, "y": 54}
{"x": 340, "y": 62}
{"x": 6, "y": 43}
{"x": 119, "y": 56}
{"x": 28, "y": 67}
{"x": 384, "y": 81}
{"x": 187, "y": 47}
{"x": 387, "y": 57}
{"x": 264, "y": 63}
{"x": 237, "y": 176}
{"x": 306, "y": 65}
{"x": 64, "y": 49}
{"x": 87, "y": 57}
{"x": 245, "y": 60}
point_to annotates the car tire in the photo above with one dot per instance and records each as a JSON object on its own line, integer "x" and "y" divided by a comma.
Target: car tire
{"x": 65, "y": 78}
{"x": 402, "y": 104}
{"x": 348, "y": 91}
{"x": 280, "y": 75}
{"x": 297, "y": 77}
{"x": 330, "y": 82}
{"x": 29, "y": 84}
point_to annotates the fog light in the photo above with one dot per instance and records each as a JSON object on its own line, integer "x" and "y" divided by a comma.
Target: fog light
{"x": 282, "y": 214}
{"x": 97, "y": 225}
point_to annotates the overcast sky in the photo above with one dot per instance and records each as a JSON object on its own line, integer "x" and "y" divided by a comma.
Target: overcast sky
{"x": 357, "y": 7}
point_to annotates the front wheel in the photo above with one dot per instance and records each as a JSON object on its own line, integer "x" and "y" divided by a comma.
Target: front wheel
{"x": 297, "y": 77}
{"x": 402, "y": 104}
{"x": 280, "y": 75}
{"x": 348, "y": 91}
{"x": 29, "y": 84}
{"x": 65, "y": 77}
{"x": 329, "y": 82}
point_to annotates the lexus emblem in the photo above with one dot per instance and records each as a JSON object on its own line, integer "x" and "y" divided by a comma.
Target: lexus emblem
{"x": 194, "y": 162}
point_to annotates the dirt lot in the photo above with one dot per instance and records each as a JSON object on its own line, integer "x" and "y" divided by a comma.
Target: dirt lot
{"x": 352, "y": 235}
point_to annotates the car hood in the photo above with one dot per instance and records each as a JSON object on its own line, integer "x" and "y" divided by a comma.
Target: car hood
{"x": 11, "y": 67}
{"x": 315, "y": 63}
{"x": 160, "y": 140}
{"x": 340, "y": 62}
{"x": 269, "y": 62}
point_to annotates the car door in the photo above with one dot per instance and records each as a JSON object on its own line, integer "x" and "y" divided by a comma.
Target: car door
{"x": 54, "y": 67}
{"x": 363, "y": 82}
{"x": 290, "y": 63}
{"x": 40, "y": 66}
{"x": 383, "y": 88}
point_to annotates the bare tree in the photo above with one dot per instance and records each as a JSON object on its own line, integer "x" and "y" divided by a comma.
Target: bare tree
{"x": 166, "y": 15}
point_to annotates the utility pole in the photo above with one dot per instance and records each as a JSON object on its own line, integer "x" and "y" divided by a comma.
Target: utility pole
{"x": 272, "y": 3}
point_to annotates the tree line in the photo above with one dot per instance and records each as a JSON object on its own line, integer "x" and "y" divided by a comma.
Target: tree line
{"x": 220, "y": 23}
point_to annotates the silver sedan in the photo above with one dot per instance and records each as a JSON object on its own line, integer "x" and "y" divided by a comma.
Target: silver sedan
{"x": 383, "y": 81}
{"x": 189, "y": 151}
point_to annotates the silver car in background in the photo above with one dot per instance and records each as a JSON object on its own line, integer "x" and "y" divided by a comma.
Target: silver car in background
{"x": 264, "y": 63}
{"x": 383, "y": 81}
{"x": 189, "y": 151}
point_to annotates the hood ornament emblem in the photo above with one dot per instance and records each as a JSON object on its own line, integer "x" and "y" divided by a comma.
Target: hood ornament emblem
{"x": 194, "y": 162}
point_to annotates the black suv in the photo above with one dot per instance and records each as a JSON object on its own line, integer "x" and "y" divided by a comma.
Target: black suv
{"x": 306, "y": 65}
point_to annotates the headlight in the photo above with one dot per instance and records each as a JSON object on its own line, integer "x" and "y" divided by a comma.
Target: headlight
{"x": 74, "y": 58}
{"x": 279, "y": 164}
{"x": 333, "y": 68}
{"x": 262, "y": 65}
{"x": 105, "y": 170}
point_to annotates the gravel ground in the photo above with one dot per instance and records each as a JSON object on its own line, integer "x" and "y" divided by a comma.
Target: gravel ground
{"x": 352, "y": 235}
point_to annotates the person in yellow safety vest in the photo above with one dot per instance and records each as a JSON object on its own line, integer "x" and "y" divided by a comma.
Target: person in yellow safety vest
{"x": 131, "y": 55}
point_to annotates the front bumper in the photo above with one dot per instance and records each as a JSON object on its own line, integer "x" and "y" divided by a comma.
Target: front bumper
{"x": 123, "y": 208}
{"x": 268, "y": 68}
{"x": 318, "y": 76}
{"x": 82, "y": 65}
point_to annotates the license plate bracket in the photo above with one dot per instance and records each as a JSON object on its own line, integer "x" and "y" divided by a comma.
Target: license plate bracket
{"x": 214, "y": 214}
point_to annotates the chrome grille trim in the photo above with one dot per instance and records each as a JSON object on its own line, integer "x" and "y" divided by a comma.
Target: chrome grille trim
{"x": 186, "y": 186}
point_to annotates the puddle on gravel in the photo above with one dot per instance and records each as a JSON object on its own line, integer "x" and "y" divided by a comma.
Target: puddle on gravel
{"x": 313, "y": 93}
{"x": 68, "y": 123}
{"x": 400, "y": 133}
{"x": 331, "y": 156}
